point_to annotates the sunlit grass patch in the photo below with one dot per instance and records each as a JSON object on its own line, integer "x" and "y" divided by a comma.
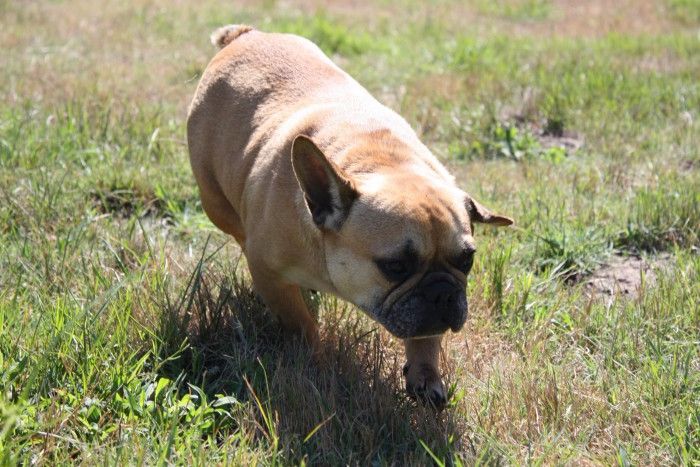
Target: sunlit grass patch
{"x": 516, "y": 9}
{"x": 517, "y": 143}
{"x": 332, "y": 37}
{"x": 663, "y": 217}
{"x": 687, "y": 11}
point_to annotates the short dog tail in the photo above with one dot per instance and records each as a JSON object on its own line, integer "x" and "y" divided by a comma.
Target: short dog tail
{"x": 227, "y": 34}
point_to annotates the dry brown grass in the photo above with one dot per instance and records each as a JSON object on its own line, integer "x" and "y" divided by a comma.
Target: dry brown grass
{"x": 106, "y": 48}
{"x": 567, "y": 18}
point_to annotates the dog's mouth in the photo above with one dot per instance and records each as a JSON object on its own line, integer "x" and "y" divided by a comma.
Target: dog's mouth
{"x": 436, "y": 304}
{"x": 410, "y": 329}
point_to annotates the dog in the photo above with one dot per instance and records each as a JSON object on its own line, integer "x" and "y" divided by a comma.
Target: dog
{"x": 326, "y": 189}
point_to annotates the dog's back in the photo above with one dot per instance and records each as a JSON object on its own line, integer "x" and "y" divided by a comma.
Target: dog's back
{"x": 248, "y": 91}
{"x": 260, "y": 67}
{"x": 257, "y": 94}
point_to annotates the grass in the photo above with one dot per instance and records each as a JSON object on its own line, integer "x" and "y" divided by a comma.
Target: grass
{"x": 686, "y": 10}
{"x": 128, "y": 329}
{"x": 516, "y": 9}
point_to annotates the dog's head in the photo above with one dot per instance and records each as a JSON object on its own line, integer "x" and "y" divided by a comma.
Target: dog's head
{"x": 398, "y": 244}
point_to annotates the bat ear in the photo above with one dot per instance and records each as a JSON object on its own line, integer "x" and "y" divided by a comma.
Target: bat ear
{"x": 483, "y": 215}
{"x": 328, "y": 192}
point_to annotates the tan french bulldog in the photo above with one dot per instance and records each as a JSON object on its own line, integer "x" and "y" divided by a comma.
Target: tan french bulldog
{"x": 325, "y": 188}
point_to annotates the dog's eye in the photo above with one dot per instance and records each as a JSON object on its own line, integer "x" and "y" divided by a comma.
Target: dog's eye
{"x": 465, "y": 261}
{"x": 395, "y": 269}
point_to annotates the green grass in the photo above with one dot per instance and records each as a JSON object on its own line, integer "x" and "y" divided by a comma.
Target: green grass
{"x": 128, "y": 329}
{"x": 516, "y": 9}
{"x": 687, "y": 11}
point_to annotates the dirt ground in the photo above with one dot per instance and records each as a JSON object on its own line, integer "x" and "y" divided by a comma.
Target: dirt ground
{"x": 626, "y": 275}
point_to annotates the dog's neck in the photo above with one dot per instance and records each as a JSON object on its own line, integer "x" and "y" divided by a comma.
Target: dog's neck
{"x": 363, "y": 152}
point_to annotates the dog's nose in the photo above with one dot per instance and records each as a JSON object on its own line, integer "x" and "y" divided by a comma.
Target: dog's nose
{"x": 440, "y": 294}
{"x": 447, "y": 303}
{"x": 455, "y": 315}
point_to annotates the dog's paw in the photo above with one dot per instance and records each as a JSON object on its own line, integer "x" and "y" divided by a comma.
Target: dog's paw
{"x": 423, "y": 382}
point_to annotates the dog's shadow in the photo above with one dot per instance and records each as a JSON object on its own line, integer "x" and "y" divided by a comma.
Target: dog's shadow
{"x": 348, "y": 408}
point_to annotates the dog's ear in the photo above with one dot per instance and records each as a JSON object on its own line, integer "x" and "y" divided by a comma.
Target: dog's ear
{"x": 483, "y": 215}
{"x": 329, "y": 193}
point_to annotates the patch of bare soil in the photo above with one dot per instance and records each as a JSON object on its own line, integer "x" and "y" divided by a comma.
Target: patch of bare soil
{"x": 688, "y": 165}
{"x": 625, "y": 275}
{"x": 569, "y": 141}
{"x": 549, "y": 133}
{"x": 126, "y": 203}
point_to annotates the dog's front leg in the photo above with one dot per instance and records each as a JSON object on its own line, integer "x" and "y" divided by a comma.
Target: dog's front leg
{"x": 287, "y": 303}
{"x": 422, "y": 370}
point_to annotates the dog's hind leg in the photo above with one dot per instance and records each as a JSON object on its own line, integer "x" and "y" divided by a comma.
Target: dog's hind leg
{"x": 221, "y": 213}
